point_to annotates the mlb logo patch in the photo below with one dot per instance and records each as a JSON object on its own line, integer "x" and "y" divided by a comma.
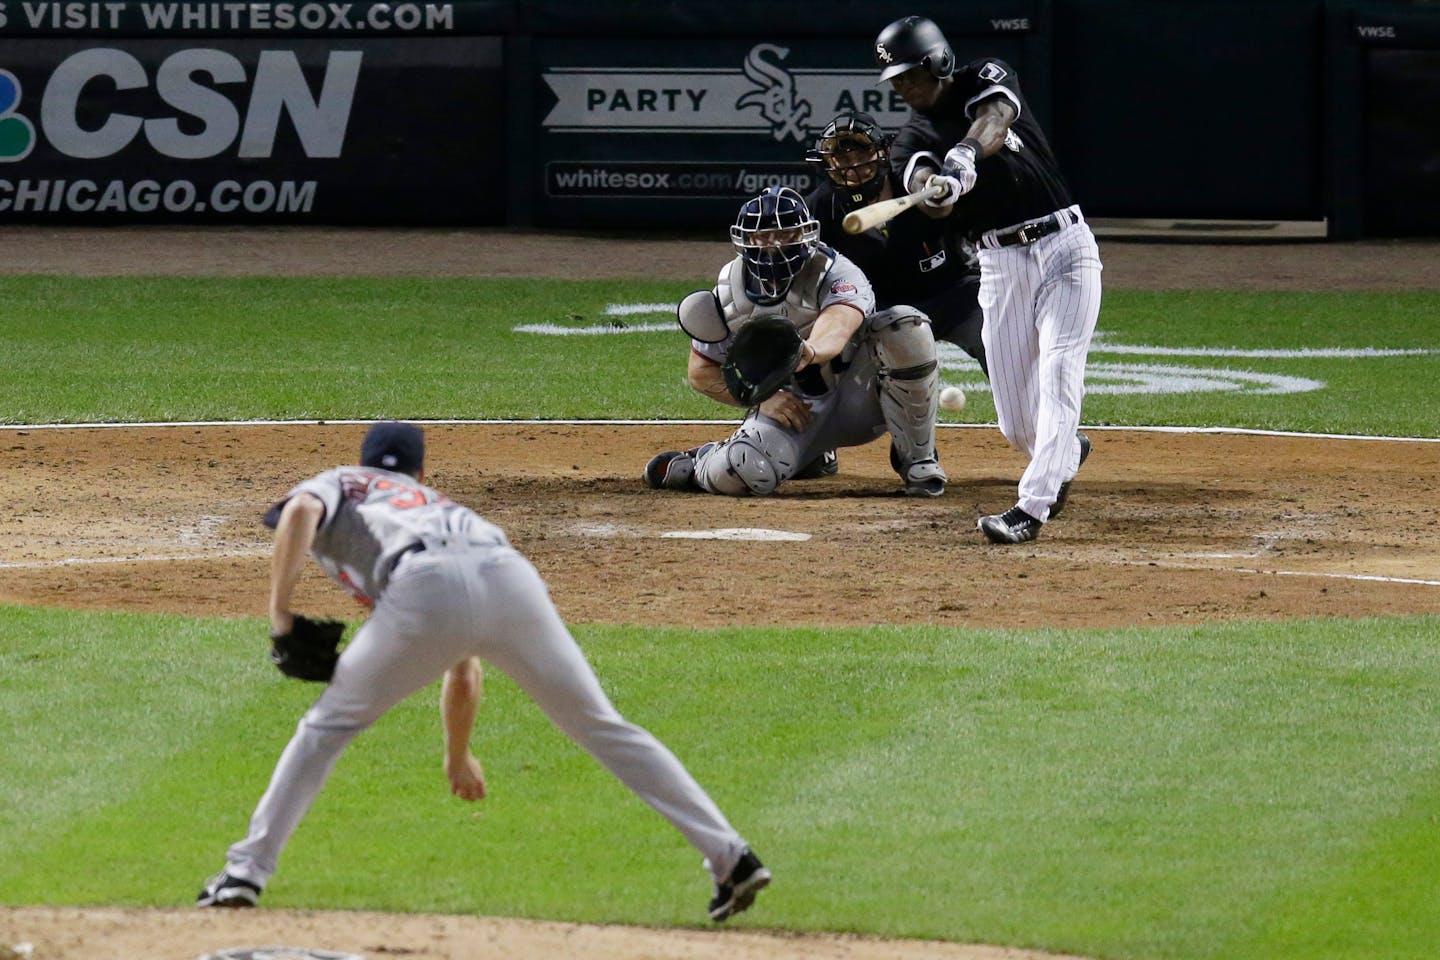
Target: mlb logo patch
{"x": 993, "y": 72}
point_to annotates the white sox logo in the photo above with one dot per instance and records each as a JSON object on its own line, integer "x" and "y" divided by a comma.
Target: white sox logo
{"x": 885, "y": 55}
{"x": 782, "y": 109}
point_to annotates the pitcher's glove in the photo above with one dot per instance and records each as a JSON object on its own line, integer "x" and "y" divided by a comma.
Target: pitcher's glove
{"x": 309, "y": 651}
{"x": 762, "y": 359}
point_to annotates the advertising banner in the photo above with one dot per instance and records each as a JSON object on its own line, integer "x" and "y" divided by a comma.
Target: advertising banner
{"x": 276, "y": 18}
{"x": 251, "y": 130}
{"x": 631, "y": 131}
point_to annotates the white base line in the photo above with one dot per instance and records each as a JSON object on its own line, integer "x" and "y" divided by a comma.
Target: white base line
{"x": 89, "y": 561}
{"x": 1241, "y": 431}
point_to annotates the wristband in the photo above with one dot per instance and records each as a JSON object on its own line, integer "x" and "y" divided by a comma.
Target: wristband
{"x": 974, "y": 145}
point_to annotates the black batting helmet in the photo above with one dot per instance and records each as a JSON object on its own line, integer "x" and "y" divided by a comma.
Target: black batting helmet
{"x": 913, "y": 42}
{"x": 855, "y": 154}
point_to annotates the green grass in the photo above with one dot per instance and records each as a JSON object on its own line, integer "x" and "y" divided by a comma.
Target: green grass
{"x": 125, "y": 349}
{"x": 1245, "y": 792}
{"x": 1234, "y": 791}
{"x": 1361, "y": 395}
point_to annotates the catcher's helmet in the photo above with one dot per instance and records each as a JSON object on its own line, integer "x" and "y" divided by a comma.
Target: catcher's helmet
{"x": 913, "y": 42}
{"x": 855, "y": 154}
{"x": 775, "y": 235}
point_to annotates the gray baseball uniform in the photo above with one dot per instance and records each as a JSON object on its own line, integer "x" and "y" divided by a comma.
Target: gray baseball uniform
{"x": 866, "y": 391}
{"x": 446, "y": 585}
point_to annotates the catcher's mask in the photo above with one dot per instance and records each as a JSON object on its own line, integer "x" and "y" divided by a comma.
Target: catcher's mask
{"x": 775, "y": 235}
{"x": 855, "y": 154}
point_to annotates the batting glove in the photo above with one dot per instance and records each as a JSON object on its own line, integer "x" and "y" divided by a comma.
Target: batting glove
{"x": 951, "y": 193}
{"x": 960, "y": 164}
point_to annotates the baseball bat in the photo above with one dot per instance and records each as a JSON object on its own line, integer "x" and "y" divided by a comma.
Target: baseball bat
{"x": 858, "y": 221}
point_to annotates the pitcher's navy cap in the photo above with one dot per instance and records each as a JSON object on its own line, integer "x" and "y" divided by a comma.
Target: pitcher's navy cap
{"x": 392, "y": 445}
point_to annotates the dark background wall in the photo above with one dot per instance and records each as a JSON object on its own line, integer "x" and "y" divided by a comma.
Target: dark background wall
{"x": 630, "y": 112}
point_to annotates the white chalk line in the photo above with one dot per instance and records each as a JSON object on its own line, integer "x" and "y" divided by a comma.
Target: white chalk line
{"x": 162, "y": 558}
{"x": 1256, "y": 571}
{"x": 153, "y": 424}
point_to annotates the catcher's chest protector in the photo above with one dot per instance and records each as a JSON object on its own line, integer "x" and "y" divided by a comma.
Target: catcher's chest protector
{"x": 801, "y": 304}
{"x": 801, "y": 307}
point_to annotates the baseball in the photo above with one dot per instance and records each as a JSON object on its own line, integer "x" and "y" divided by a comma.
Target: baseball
{"x": 952, "y": 399}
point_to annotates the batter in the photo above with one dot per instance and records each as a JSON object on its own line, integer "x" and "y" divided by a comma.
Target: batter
{"x": 971, "y": 131}
{"x": 446, "y": 589}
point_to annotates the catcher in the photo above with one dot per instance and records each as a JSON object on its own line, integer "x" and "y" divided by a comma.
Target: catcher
{"x": 446, "y": 588}
{"x": 789, "y": 333}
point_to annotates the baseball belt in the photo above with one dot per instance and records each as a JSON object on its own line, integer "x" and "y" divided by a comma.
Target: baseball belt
{"x": 1024, "y": 234}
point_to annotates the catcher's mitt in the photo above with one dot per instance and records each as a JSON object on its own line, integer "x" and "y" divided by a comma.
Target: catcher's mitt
{"x": 309, "y": 651}
{"x": 761, "y": 359}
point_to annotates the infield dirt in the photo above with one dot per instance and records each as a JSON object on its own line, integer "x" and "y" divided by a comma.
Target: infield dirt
{"x": 1160, "y": 528}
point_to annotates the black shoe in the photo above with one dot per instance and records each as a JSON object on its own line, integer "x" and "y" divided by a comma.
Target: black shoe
{"x": 1064, "y": 493}
{"x": 223, "y": 890}
{"x": 1012, "y": 526}
{"x": 673, "y": 469}
{"x": 825, "y": 465}
{"x": 735, "y": 895}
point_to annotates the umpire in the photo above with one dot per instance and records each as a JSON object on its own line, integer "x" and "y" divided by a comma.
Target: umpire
{"x": 913, "y": 259}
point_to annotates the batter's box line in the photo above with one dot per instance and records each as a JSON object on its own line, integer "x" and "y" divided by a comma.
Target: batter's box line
{"x": 1363, "y": 577}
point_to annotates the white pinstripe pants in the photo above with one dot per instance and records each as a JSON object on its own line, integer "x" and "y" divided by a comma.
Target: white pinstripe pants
{"x": 1041, "y": 303}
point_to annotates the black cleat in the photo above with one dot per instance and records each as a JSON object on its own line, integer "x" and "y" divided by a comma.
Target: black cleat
{"x": 1012, "y": 526}
{"x": 1064, "y": 493}
{"x": 673, "y": 469}
{"x": 747, "y": 878}
{"x": 223, "y": 890}
{"x": 825, "y": 465}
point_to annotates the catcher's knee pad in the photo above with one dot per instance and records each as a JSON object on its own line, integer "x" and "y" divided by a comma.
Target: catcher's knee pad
{"x": 740, "y": 467}
{"x": 903, "y": 341}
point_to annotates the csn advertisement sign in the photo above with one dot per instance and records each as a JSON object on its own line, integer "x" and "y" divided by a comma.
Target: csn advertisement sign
{"x": 322, "y": 131}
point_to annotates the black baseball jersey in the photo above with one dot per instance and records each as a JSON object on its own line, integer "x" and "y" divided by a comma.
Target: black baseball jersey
{"x": 1019, "y": 182}
{"x": 910, "y": 259}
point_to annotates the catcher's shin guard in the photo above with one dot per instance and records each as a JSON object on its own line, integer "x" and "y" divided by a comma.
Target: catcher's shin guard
{"x": 908, "y": 381}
